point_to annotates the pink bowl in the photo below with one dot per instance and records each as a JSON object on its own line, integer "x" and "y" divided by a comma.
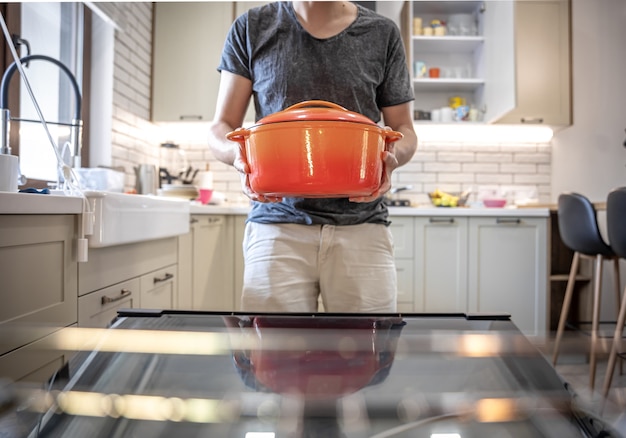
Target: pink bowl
{"x": 494, "y": 203}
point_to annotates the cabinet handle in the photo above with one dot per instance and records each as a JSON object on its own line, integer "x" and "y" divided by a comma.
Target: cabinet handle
{"x": 166, "y": 277}
{"x": 532, "y": 120}
{"x": 190, "y": 117}
{"x": 193, "y": 220}
{"x": 434, "y": 220}
{"x": 502, "y": 220}
{"x": 214, "y": 220}
{"x": 123, "y": 294}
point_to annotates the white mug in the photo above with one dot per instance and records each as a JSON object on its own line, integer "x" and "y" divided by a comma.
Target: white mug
{"x": 446, "y": 114}
{"x": 435, "y": 115}
{"x": 8, "y": 173}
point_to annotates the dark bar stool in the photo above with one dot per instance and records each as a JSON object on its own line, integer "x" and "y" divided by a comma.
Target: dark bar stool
{"x": 579, "y": 231}
{"x": 616, "y": 227}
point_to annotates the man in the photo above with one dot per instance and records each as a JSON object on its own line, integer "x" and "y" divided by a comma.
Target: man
{"x": 296, "y": 249}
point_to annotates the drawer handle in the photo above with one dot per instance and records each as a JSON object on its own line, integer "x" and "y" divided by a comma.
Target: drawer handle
{"x": 123, "y": 294}
{"x": 508, "y": 221}
{"x": 193, "y": 220}
{"x": 166, "y": 277}
{"x": 449, "y": 220}
{"x": 190, "y": 117}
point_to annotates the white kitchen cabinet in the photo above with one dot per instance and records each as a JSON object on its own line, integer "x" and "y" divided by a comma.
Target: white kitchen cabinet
{"x": 123, "y": 276}
{"x": 38, "y": 361}
{"x": 158, "y": 289}
{"x": 542, "y": 63}
{"x": 441, "y": 264}
{"x": 188, "y": 41}
{"x": 402, "y": 231}
{"x": 516, "y": 69}
{"x": 39, "y": 289}
{"x": 98, "y": 309}
{"x": 187, "y": 47}
{"x": 508, "y": 269}
{"x": 474, "y": 264}
{"x": 185, "y": 270}
{"x": 212, "y": 262}
{"x": 240, "y": 226}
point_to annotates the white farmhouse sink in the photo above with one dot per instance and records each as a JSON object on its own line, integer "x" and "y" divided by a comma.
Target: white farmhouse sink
{"x": 122, "y": 218}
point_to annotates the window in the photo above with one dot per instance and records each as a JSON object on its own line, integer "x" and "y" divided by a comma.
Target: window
{"x": 57, "y": 30}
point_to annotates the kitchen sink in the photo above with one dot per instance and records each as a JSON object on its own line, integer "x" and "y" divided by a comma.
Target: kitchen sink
{"x": 123, "y": 218}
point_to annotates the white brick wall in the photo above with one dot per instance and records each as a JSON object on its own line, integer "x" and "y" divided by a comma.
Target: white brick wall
{"x": 448, "y": 166}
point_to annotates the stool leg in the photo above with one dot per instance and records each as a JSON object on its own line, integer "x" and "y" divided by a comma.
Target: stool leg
{"x": 595, "y": 322}
{"x": 618, "y": 287}
{"x": 615, "y": 347}
{"x": 567, "y": 300}
{"x": 617, "y": 282}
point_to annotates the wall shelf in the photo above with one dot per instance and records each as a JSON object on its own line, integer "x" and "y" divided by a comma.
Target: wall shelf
{"x": 447, "y": 84}
{"x": 447, "y": 44}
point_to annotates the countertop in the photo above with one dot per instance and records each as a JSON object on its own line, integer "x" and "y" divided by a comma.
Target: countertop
{"x": 33, "y": 203}
{"x": 401, "y": 211}
{"x": 30, "y": 203}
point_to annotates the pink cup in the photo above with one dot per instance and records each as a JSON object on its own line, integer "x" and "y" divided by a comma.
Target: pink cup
{"x": 205, "y": 195}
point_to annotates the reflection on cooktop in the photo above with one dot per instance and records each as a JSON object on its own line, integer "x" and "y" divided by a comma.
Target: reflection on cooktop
{"x": 258, "y": 376}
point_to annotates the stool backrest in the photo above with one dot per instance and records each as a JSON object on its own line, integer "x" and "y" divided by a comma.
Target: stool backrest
{"x": 578, "y": 226}
{"x": 616, "y": 220}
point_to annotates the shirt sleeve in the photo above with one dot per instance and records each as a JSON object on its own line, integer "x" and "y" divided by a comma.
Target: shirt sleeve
{"x": 396, "y": 88}
{"x": 235, "y": 55}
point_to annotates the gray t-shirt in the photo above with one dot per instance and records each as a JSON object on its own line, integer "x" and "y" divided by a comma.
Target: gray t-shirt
{"x": 363, "y": 69}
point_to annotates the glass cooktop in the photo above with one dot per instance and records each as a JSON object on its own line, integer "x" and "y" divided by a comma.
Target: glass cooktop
{"x": 194, "y": 374}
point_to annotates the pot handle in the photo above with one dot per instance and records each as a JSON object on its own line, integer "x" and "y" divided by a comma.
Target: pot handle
{"x": 322, "y": 103}
{"x": 391, "y": 136}
{"x": 238, "y": 135}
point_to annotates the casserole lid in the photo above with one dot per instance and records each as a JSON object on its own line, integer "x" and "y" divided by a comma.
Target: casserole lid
{"x": 315, "y": 110}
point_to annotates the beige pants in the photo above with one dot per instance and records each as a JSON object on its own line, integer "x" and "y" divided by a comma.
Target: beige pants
{"x": 288, "y": 266}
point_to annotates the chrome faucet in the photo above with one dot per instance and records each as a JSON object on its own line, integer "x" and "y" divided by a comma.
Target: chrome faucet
{"x": 5, "y": 118}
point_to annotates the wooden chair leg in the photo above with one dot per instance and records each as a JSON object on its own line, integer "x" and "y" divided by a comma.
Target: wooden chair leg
{"x": 617, "y": 283}
{"x": 567, "y": 300}
{"x": 615, "y": 347}
{"x": 595, "y": 322}
{"x": 618, "y": 288}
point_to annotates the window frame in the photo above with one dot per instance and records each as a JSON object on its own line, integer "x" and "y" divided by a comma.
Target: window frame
{"x": 12, "y": 13}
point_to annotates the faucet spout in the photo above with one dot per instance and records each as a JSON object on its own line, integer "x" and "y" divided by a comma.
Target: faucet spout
{"x": 76, "y": 125}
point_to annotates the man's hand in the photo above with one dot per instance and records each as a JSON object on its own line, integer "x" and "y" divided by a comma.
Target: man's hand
{"x": 241, "y": 165}
{"x": 390, "y": 162}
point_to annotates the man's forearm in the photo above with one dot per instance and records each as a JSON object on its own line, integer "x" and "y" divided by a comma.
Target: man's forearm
{"x": 405, "y": 148}
{"x": 222, "y": 148}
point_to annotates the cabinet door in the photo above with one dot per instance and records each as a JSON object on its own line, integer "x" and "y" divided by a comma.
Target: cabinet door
{"x": 213, "y": 269}
{"x": 158, "y": 289}
{"x": 402, "y": 230}
{"x": 188, "y": 42}
{"x": 240, "y": 226}
{"x": 542, "y": 68}
{"x": 36, "y": 296}
{"x": 36, "y": 363}
{"x": 498, "y": 60}
{"x": 185, "y": 270}
{"x": 441, "y": 264}
{"x": 508, "y": 269}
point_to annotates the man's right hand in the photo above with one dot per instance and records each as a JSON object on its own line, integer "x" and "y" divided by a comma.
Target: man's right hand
{"x": 241, "y": 165}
